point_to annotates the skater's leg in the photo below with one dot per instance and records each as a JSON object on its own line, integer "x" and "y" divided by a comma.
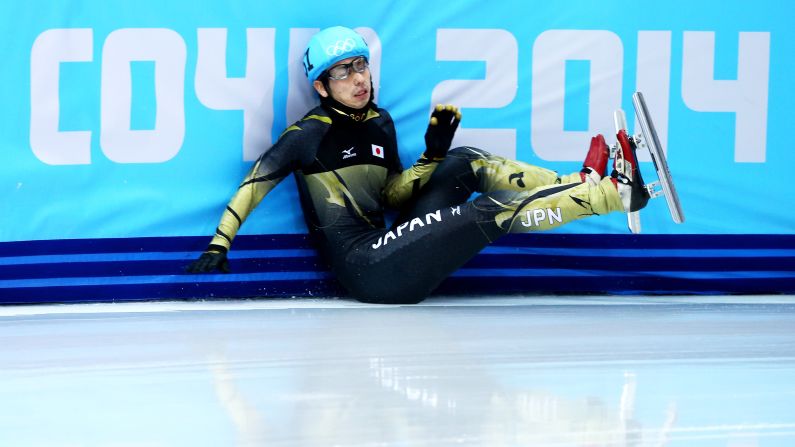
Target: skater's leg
{"x": 467, "y": 170}
{"x": 406, "y": 263}
{"x": 494, "y": 172}
{"x": 497, "y": 173}
{"x": 549, "y": 207}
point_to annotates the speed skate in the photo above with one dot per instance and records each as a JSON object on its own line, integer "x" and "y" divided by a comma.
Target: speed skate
{"x": 647, "y": 138}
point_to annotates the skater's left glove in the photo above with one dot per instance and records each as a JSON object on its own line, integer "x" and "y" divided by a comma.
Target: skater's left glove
{"x": 439, "y": 136}
{"x": 211, "y": 260}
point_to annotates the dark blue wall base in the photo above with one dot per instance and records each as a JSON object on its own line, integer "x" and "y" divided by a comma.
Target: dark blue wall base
{"x": 136, "y": 269}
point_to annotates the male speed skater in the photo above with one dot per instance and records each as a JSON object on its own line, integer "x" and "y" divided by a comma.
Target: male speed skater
{"x": 344, "y": 157}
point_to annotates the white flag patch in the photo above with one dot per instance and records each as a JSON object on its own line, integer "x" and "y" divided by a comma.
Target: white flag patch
{"x": 378, "y": 151}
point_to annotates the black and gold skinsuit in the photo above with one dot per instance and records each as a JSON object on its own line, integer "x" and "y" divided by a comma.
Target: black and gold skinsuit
{"x": 348, "y": 173}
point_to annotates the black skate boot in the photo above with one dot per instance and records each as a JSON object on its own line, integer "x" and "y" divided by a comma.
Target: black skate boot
{"x": 626, "y": 175}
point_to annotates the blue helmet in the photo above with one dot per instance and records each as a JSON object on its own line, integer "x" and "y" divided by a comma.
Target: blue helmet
{"x": 330, "y": 46}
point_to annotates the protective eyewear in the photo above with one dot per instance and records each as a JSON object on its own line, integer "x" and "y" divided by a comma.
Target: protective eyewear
{"x": 342, "y": 71}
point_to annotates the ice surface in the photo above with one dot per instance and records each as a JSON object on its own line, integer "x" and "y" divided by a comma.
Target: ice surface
{"x": 491, "y": 371}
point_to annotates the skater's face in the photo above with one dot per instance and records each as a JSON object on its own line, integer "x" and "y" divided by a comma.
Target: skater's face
{"x": 352, "y": 91}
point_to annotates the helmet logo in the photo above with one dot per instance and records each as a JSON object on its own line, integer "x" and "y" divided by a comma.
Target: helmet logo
{"x": 340, "y": 47}
{"x": 307, "y": 65}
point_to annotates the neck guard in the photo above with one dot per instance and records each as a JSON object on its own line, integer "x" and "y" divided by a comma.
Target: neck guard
{"x": 336, "y": 108}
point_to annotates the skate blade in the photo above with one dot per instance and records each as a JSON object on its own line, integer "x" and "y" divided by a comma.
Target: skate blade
{"x": 647, "y": 138}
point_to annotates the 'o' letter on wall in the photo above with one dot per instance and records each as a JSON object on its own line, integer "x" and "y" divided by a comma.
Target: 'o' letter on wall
{"x": 167, "y": 50}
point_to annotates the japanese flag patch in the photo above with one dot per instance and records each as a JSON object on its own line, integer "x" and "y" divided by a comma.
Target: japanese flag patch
{"x": 378, "y": 151}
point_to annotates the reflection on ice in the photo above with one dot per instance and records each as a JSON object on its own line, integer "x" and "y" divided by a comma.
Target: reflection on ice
{"x": 391, "y": 379}
{"x": 537, "y": 418}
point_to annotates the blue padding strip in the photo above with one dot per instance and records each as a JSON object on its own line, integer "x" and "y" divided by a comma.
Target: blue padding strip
{"x": 631, "y": 264}
{"x": 644, "y": 252}
{"x": 282, "y": 276}
{"x": 504, "y": 265}
{"x": 646, "y": 241}
{"x": 618, "y": 285}
{"x": 577, "y": 274}
{"x": 296, "y": 253}
{"x": 196, "y": 244}
{"x": 148, "y": 268}
{"x": 150, "y": 256}
{"x": 164, "y": 279}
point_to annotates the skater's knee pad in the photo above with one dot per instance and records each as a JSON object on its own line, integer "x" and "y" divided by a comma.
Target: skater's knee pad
{"x": 463, "y": 163}
{"x": 468, "y": 153}
{"x": 497, "y": 201}
{"x": 457, "y": 169}
{"x": 491, "y": 205}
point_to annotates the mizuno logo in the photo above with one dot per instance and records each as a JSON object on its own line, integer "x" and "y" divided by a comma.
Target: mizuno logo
{"x": 348, "y": 153}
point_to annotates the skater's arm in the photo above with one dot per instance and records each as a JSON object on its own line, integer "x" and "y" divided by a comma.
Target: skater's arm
{"x": 270, "y": 169}
{"x": 260, "y": 180}
{"x": 255, "y": 186}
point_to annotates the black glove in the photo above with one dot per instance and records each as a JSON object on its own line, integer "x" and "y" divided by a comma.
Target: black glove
{"x": 208, "y": 262}
{"x": 439, "y": 136}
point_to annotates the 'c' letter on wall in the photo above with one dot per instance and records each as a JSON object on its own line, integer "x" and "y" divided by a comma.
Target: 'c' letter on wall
{"x": 50, "y": 49}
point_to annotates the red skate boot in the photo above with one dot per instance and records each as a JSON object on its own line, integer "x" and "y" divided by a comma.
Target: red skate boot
{"x": 595, "y": 165}
{"x": 626, "y": 175}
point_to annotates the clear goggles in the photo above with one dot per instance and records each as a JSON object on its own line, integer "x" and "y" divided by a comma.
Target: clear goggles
{"x": 342, "y": 71}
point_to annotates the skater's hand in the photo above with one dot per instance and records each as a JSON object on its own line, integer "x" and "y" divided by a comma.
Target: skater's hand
{"x": 209, "y": 261}
{"x": 439, "y": 136}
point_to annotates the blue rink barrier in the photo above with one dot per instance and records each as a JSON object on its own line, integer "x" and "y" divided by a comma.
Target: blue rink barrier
{"x": 278, "y": 266}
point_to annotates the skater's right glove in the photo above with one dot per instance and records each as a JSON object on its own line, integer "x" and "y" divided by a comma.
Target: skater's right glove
{"x": 212, "y": 259}
{"x": 439, "y": 136}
